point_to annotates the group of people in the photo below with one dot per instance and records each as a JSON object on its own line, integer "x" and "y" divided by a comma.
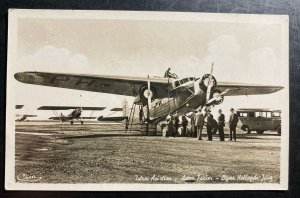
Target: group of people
{"x": 198, "y": 119}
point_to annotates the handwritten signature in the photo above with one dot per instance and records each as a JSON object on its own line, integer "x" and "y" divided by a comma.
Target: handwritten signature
{"x": 23, "y": 177}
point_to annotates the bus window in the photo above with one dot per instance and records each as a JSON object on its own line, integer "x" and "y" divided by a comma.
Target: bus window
{"x": 276, "y": 114}
{"x": 243, "y": 114}
{"x": 251, "y": 114}
{"x": 269, "y": 115}
{"x": 257, "y": 114}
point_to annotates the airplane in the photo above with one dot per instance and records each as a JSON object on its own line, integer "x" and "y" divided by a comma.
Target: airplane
{"x": 24, "y": 117}
{"x": 74, "y": 115}
{"x": 163, "y": 95}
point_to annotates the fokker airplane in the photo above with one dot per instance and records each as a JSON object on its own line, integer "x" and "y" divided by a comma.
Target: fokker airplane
{"x": 74, "y": 115}
{"x": 163, "y": 95}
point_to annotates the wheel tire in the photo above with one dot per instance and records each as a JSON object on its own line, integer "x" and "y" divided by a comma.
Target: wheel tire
{"x": 248, "y": 130}
{"x": 260, "y": 132}
{"x": 278, "y": 130}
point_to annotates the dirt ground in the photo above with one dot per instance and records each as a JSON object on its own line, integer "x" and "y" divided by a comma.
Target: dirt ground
{"x": 104, "y": 153}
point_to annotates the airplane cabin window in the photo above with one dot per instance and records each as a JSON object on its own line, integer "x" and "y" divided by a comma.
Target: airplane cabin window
{"x": 264, "y": 114}
{"x": 176, "y": 84}
{"x": 269, "y": 115}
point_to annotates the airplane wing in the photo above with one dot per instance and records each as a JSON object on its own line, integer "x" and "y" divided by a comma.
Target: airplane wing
{"x": 235, "y": 89}
{"x": 88, "y": 118}
{"x": 117, "y": 109}
{"x": 121, "y": 85}
{"x": 19, "y": 106}
{"x": 114, "y": 119}
{"x": 70, "y": 107}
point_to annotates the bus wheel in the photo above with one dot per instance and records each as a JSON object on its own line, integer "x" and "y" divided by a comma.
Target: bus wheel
{"x": 248, "y": 130}
{"x": 279, "y": 130}
{"x": 260, "y": 131}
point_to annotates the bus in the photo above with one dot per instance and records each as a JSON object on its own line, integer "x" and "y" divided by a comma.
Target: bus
{"x": 260, "y": 120}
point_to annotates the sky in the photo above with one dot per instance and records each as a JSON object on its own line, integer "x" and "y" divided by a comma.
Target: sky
{"x": 246, "y": 52}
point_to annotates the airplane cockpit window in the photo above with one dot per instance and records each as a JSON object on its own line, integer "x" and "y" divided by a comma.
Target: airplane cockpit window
{"x": 192, "y": 78}
{"x": 184, "y": 80}
{"x": 177, "y": 83}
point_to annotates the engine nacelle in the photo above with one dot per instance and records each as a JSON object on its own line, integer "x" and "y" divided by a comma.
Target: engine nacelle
{"x": 143, "y": 94}
{"x": 205, "y": 80}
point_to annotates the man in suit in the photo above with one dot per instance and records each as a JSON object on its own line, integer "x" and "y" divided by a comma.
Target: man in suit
{"x": 232, "y": 124}
{"x": 199, "y": 122}
{"x": 221, "y": 124}
{"x": 184, "y": 123}
{"x": 176, "y": 123}
{"x": 209, "y": 124}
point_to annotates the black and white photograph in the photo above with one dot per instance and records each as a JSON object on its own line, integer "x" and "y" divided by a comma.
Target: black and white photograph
{"x": 146, "y": 101}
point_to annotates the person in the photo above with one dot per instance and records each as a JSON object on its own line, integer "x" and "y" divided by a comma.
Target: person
{"x": 176, "y": 122}
{"x": 233, "y": 120}
{"x": 168, "y": 73}
{"x": 170, "y": 126}
{"x": 141, "y": 115}
{"x": 126, "y": 124}
{"x": 221, "y": 124}
{"x": 199, "y": 122}
{"x": 193, "y": 125}
{"x": 209, "y": 125}
{"x": 184, "y": 124}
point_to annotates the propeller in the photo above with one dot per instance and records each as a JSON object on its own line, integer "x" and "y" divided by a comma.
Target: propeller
{"x": 149, "y": 93}
{"x": 210, "y": 84}
{"x": 217, "y": 96}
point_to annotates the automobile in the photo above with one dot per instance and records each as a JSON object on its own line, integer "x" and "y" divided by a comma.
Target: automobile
{"x": 260, "y": 120}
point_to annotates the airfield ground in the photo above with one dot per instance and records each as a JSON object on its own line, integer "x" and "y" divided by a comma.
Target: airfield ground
{"x": 97, "y": 153}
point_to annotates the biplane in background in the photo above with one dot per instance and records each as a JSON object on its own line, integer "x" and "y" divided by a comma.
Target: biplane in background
{"x": 75, "y": 115}
{"x": 23, "y": 117}
{"x": 163, "y": 95}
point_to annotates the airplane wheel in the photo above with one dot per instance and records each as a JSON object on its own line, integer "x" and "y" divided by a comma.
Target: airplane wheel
{"x": 279, "y": 130}
{"x": 81, "y": 122}
{"x": 260, "y": 131}
{"x": 71, "y": 122}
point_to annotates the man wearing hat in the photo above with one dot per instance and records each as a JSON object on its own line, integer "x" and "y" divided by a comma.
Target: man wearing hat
{"x": 233, "y": 120}
{"x": 221, "y": 124}
{"x": 209, "y": 124}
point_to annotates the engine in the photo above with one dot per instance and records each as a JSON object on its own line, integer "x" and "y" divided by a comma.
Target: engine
{"x": 214, "y": 93}
{"x": 143, "y": 94}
